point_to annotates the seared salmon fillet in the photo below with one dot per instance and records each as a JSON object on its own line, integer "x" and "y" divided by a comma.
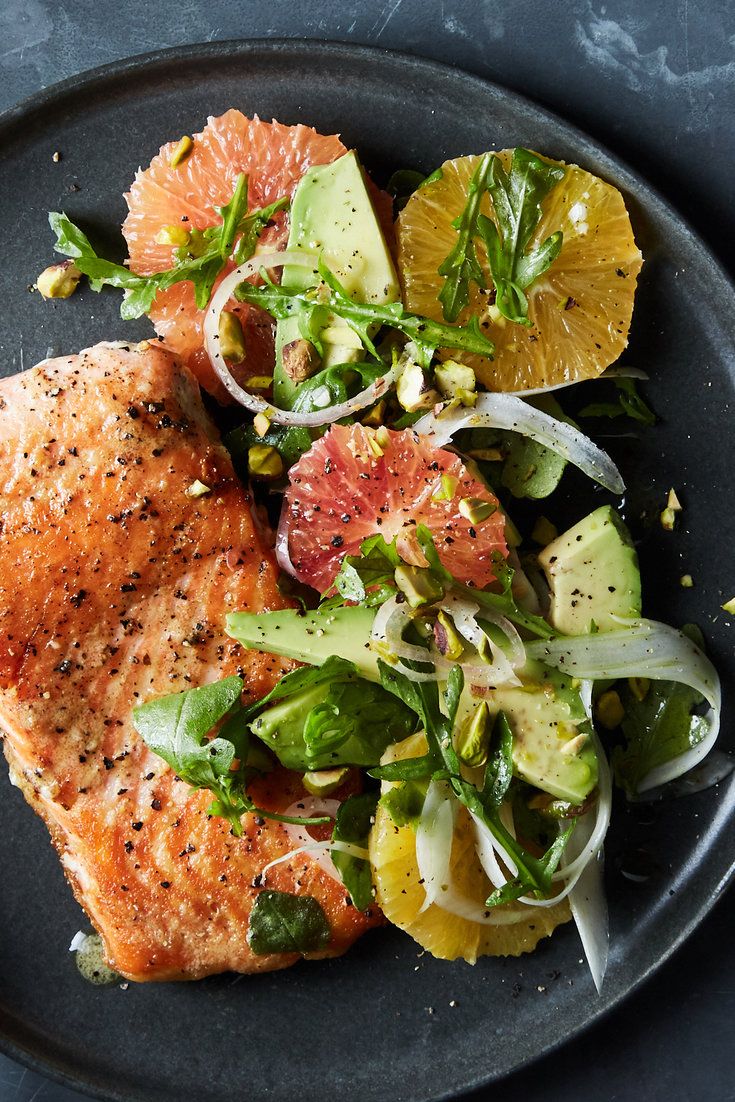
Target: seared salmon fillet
{"x": 114, "y": 584}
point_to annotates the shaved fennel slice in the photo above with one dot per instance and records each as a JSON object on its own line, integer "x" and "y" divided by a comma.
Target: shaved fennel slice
{"x": 256, "y": 404}
{"x": 642, "y": 648}
{"x": 299, "y": 836}
{"x": 434, "y": 838}
{"x": 321, "y": 848}
{"x": 506, "y": 411}
{"x": 434, "y": 834}
{"x": 588, "y": 903}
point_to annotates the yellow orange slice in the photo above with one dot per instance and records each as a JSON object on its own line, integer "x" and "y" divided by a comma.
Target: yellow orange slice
{"x": 580, "y": 308}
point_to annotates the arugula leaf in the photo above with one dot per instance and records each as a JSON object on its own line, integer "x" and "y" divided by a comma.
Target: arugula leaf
{"x": 176, "y": 728}
{"x": 354, "y": 820}
{"x": 629, "y": 403}
{"x": 499, "y": 767}
{"x": 517, "y": 199}
{"x": 658, "y": 728}
{"x": 461, "y": 265}
{"x": 374, "y": 566}
{"x": 282, "y": 303}
{"x": 285, "y": 923}
{"x": 199, "y": 263}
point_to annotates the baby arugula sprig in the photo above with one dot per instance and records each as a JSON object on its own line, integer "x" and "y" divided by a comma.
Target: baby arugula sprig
{"x": 516, "y": 199}
{"x": 199, "y": 261}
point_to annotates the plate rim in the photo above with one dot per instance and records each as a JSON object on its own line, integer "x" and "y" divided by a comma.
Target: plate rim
{"x": 30, "y": 106}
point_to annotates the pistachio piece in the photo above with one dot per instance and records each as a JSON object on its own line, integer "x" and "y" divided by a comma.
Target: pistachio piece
{"x": 182, "y": 150}
{"x": 413, "y": 390}
{"x": 686, "y": 581}
{"x": 172, "y": 235}
{"x": 729, "y": 606}
{"x": 300, "y": 360}
{"x": 447, "y": 638}
{"x": 418, "y": 585}
{"x": 231, "y": 337}
{"x": 259, "y": 382}
{"x": 197, "y": 489}
{"x": 609, "y": 710}
{"x": 59, "y": 280}
{"x": 322, "y": 782}
{"x": 473, "y": 740}
{"x": 264, "y": 462}
{"x": 476, "y": 510}
{"x": 447, "y": 489}
{"x": 376, "y": 416}
{"x": 668, "y": 519}
{"x": 261, "y": 424}
{"x": 672, "y": 501}
{"x": 454, "y": 379}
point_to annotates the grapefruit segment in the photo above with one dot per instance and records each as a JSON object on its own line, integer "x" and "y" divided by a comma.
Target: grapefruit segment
{"x": 274, "y": 157}
{"x": 341, "y": 492}
{"x": 580, "y": 308}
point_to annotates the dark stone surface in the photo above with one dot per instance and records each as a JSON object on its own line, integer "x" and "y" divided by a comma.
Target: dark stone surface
{"x": 658, "y": 88}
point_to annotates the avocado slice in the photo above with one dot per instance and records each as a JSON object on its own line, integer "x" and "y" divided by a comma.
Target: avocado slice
{"x": 593, "y": 574}
{"x": 332, "y": 213}
{"x": 312, "y": 636}
{"x": 552, "y": 748}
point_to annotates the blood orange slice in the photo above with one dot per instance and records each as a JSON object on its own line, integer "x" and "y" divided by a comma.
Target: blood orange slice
{"x": 274, "y": 157}
{"x": 341, "y": 492}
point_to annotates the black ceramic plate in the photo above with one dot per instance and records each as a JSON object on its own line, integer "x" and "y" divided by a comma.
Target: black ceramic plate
{"x": 381, "y": 1022}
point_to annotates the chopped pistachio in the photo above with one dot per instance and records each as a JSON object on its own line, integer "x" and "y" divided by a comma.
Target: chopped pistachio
{"x": 264, "y": 462}
{"x": 382, "y": 435}
{"x": 639, "y": 687}
{"x": 197, "y": 489}
{"x": 447, "y": 490}
{"x": 686, "y": 581}
{"x": 574, "y": 745}
{"x": 668, "y": 519}
{"x": 476, "y": 510}
{"x": 181, "y": 151}
{"x": 231, "y": 337}
{"x": 259, "y": 382}
{"x": 261, "y": 424}
{"x": 467, "y": 397}
{"x": 672, "y": 502}
{"x": 544, "y": 531}
{"x": 418, "y": 585}
{"x": 374, "y": 446}
{"x": 300, "y": 360}
{"x": 376, "y": 416}
{"x": 609, "y": 710}
{"x": 452, "y": 378}
{"x": 172, "y": 235}
{"x": 59, "y": 280}
{"x": 413, "y": 390}
{"x": 473, "y": 739}
{"x": 448, "y": 640}
{"x": 729, "y": 606}
{"x": 322, "y": 782}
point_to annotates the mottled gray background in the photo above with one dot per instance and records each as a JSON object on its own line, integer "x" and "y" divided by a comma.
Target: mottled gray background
{"x": 655, "y": 81}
